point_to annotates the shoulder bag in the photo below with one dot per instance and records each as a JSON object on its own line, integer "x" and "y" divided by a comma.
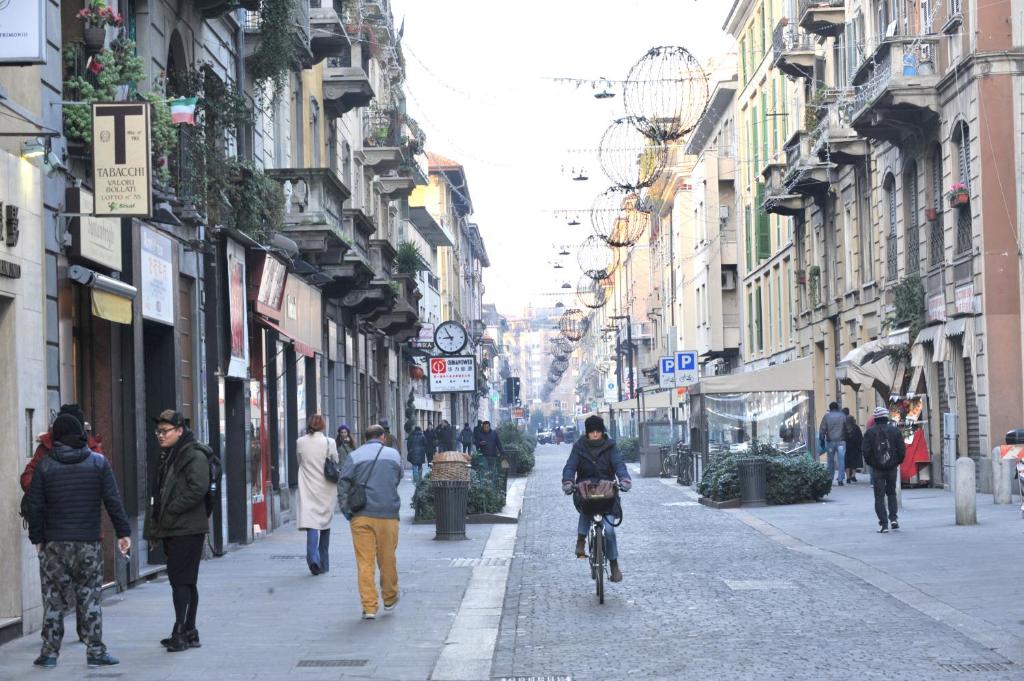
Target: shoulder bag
{"x": 357, "y": 493}
{"x": 330, "y": 465}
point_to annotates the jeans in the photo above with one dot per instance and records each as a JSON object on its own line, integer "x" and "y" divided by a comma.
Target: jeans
{"x": 318, "y": 544}
{"x": 611, "y": 545}
{"x": 884, "y": 484}
{"x": 417, "y": 473}
{"x": 374, "y": 541}
{"x": 836, "y": 459}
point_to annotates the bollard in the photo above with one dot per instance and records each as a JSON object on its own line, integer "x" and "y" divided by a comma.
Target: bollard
{"x": 1002, "y": 478}
{"x": 965, "y": 496}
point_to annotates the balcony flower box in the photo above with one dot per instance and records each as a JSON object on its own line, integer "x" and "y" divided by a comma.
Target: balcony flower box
{"x": 958, "y": 195}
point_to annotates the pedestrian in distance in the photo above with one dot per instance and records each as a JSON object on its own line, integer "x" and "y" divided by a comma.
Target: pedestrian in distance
{"x": 43, "y": 447}
{"x": 854, "y": 440}
{"x": 466, "y": 438}
{"x": 430, "y": 435}
{"x": 445, "y": 437}
{"x": 884, "y": 451}
{"x": 488, "y": 444}
{"x": 595, "y": 457}
{"x": 68, "y": 487}
{"x": 368, "y": 496}
{"x": 316, "y": 493}
{"x": 178, "y": 518}
{"x": 832, "y": 435}
{"x": 344, "y": 442}
{"x": 417, "y": 453}
{"x": 477, "y": 429}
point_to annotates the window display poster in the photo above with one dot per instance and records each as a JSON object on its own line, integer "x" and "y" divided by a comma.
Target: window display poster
{"x": 238, "y": 367}
{"x": 271, "y": 287}
{"x": 157, "y": 276}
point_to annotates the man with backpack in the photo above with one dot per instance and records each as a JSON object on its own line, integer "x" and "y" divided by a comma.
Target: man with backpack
{"x": 178, "y": 517}
{"x": 884, "y": 450}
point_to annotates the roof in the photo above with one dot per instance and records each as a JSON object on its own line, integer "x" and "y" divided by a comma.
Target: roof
{"x": 437, "y": 162}
{"x": 721, "y": 100}
{"x": 460, "y": 187}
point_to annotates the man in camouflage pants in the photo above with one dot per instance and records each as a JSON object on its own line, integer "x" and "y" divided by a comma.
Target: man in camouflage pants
{"x": 64, "y": 523}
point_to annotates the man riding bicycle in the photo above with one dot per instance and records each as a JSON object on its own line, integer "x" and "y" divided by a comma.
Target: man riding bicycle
{"x": 596, "y": 457}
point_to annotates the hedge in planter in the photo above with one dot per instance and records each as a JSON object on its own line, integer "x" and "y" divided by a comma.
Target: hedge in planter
{"x": 629, "y": 447}
{"x": 484, "y": 497}
{"x": 790, "y": 479}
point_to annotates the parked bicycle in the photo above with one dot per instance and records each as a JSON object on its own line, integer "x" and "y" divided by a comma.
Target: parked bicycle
{"x": 669, "y": 462}
{"x": 599, "y": 500}
{"x": 684, "y": 461}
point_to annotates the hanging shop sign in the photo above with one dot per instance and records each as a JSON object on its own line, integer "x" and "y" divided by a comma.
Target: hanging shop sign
{"x": 965, "y": 300}
{"x": 271, "y": 291}
{"x": 239, "y": 340}
{"x": 302, "y": 316}
{"x": 22, "y": 32}
{"x": 425, "y": 339}
{"x": 157, "y": 276}
{"x": 452, "y": 374}
{"x": 332, "y": 340}
{"x": 937, "y": 308}
{"x": 97, "y": 240}
{"x": 122, "y": 165}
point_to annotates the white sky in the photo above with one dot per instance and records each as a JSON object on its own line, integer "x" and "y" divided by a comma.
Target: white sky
{"x": 476, "y": 83}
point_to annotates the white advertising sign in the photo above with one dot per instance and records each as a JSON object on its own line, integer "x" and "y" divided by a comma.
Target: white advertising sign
{"x": 666, "y": 372}
{"x": 686, "y": 368}
{"x": 157, "y": 276}
{"x": 455, "y": 374}
{"x": 22, "y": 31}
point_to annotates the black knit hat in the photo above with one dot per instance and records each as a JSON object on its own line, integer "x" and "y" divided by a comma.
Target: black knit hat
{"x": 73, "y": 410}
{"x": 594, "y": 424}
{"x": 69, "y": 431}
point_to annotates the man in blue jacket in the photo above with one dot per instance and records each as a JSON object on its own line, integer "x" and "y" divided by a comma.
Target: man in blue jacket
{"x": 596, "y": 457}
{"x": 68, "y": 487}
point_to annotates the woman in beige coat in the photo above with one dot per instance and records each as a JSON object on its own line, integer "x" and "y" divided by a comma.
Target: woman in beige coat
{"x": 317, "y": 494}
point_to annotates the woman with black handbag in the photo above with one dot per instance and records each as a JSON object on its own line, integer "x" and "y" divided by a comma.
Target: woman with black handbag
{"x": 318, "y": 478}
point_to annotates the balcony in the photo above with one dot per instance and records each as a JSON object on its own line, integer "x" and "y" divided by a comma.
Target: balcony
{"x": 833, "y": 140}
{"x": 402, "y": 322}
{"x": 824, "y": 18}
{"x": 314, "y": 217}
{"x": 806, "y": 174}
{"x": 896, "y": 89}
{"x": 211, "y": 9}
{"x": 780, "y": 200}
{"x": 382, "y": 140}
{"x": 300, "y": 33}
{"x": 395, "y": 185}
{"x": 793, "y": 51}
{"x": 326, "y": 34}
{"x": 347, "y": 81}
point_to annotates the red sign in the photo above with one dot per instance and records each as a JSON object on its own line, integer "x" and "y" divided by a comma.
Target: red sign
{"x": 438, "y": 366}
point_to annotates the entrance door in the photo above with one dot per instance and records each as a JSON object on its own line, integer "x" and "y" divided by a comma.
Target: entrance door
{"x": 13, "y": 462}
{"x": 159, "y": 379}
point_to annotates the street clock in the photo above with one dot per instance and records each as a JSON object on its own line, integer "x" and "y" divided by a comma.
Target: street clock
{"x": 450, "y": 337}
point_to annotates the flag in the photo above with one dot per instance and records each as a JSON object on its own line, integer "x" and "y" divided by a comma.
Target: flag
{"x": 183, "y": 111}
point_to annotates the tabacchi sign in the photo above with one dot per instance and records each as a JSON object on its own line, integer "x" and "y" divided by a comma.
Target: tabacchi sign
{"x": 453, "y": 374}
{"x": 22, "y": 32}
{"x": 122, "y": 165}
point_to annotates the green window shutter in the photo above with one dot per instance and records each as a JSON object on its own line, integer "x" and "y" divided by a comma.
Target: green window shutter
{"x": 764, "y": 125}
{"x": 749, "y": 241}
{"x": 775, "y": 118}
{"x": 778, "y": 295}
{"x": 762, "y": 228}
{"x": 750, "y": 322}
{"x": 743, "y": 57}
{"x": 758, "y": 320}
{"x": 755, "y": 147}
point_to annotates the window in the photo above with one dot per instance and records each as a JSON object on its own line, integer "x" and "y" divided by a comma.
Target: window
{"x": 936, "y": 238}
{"x": 749, "y": 240}
{"x": 764, "y": 126}
{"x": 758, "y": 328}
{"x": 743, "y": 60}
{"x": 892, "y": 270}
{"x": 763, "y": 227}
{"x": 867, "y": 262}
{"x": 964, "y": 226}
{"x": 912, "y": 235}
{"x": 754, "y": 122}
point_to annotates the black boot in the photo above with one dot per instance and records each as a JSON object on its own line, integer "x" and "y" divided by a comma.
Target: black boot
{"x": 178, "y": 641}
{"x": 192, "y": 636}
{"x": 174, "y": 632}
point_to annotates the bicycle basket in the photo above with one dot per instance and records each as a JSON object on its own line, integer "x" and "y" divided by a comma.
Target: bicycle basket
{"x": 596, "y": 497}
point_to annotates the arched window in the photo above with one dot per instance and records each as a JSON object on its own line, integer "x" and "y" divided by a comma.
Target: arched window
{"x": 962, "y": 149}
{"x": 936, "y": 238}
{"x": 911, "y": 226}
{"x": 889, "y": 187}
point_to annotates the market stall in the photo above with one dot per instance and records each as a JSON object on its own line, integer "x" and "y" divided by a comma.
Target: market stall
{"x": 908, "y": 414}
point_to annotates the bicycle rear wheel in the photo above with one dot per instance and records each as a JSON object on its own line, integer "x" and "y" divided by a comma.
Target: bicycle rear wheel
{"x": 598, "y": 562}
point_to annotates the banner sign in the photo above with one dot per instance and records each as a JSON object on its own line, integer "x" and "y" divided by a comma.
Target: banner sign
{"x": 455, "y": 374}
{"x": 121, "y": 159}
{"x": 157, "y": 276}
{"x": 97, "y": 240}
{"x": 239, "y": 364}
{"x": 22, "y": 32}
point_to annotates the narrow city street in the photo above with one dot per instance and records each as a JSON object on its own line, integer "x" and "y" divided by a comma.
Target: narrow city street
{"x": 705, "y": 596}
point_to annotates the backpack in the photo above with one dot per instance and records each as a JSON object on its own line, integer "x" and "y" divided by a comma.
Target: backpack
{"x": 216, "y": 470}
{"x": 884, "y": 457}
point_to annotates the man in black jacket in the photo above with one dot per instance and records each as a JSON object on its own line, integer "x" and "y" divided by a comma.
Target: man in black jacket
{"x": 884, "y": 450}
{"x": 64, "y": 524}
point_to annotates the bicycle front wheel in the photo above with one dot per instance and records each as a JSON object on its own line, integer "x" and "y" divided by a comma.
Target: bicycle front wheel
{"x": 598, "y": 558}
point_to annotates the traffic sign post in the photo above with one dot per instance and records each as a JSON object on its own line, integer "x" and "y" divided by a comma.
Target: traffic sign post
{"x": 666, "y": 372}
{"x": 686, "y": 368}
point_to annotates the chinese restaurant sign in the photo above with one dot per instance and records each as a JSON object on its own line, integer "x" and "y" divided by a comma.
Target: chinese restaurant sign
{"x": 121, "y": 159}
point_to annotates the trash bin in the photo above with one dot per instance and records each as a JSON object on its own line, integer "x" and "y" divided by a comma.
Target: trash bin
{"x": 650, "y": 462}
{"x": 753, "y": 481}
{"x": 450, "y": 499}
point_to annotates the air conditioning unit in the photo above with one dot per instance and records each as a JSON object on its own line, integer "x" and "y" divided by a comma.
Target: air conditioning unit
{"x": 728, "y": 280}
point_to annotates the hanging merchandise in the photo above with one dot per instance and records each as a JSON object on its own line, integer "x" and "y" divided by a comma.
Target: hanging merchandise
{"x": 629, "y": 158}
{"x": 666, "y": 93}
{"x": 597, "y": 259}
{"x": 620, "y": 217}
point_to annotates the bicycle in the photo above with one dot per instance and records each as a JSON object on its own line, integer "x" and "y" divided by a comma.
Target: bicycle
{"x": 596, "y": 509}
{"x": 684, "y": 458}
{"x": 669, "y": 462}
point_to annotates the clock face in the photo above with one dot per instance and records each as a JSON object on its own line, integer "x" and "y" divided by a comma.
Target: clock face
{"x": 450, "y": 337}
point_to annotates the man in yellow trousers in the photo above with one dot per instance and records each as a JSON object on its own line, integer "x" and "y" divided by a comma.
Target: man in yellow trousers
{"x": 368, "y": 496}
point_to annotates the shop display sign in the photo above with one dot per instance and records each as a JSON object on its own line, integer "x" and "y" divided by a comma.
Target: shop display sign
{"x": 238, "y": 367}
{"x": 122, "y": 164}
{"x": 425, "y": 339}
{"x": 271, "y": 292}
{"x": 157, "y": 276}
{"x": 22, "y": 32}
{"x": 965, "y": 299}
{"x": 332, "y": 340}
{"x": 95, "y": 239}
{"x": 452, "y": 374}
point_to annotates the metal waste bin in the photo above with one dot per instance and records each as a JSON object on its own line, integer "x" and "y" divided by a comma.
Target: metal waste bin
{"x": 450, "y": 499}
{"x": 753, "y": 481}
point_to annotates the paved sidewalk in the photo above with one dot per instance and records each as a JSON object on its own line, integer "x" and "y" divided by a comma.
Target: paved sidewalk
{"x": 261, "y": 613}
{"x": 967, "y": 577}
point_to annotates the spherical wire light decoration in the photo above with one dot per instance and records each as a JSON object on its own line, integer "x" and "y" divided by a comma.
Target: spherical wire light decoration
{"x": 597, "y": 259}
{"x": 573, "y": 324}
{"x": 591, "y": 293}
{"x": 560, "y": 365}
{"x": 666, "y": 93}
{"x": 620, "y": 217}
{"x": 629, "y": 158}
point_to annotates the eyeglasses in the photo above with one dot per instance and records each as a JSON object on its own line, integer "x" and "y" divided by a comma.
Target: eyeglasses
{"x": 161, "y": 432}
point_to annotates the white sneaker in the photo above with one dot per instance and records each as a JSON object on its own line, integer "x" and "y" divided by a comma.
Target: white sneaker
{"x": 369, "y": 615}
{"x": 394, "y": 604}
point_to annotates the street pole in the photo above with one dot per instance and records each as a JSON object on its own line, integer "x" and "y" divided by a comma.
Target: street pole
{"x": 632, "y": 367}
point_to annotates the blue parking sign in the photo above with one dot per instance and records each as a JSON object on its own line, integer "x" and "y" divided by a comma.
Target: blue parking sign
{"x": 686, "y": 367}
{"x": 667, "y": 372}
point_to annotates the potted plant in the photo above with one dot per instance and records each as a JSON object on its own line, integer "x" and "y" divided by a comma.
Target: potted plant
{"x": 958, "y": 195}
{"x": 931, "y": 214}
{"x": 97, "y": 16}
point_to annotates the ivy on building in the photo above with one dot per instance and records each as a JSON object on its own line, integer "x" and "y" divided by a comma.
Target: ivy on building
{"x": 276, "y": 53}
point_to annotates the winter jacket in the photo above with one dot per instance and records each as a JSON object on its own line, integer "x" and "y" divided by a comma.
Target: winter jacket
{"x": 466, "y": 436}
{"x": 431, "y": 439}
{"x": 883, "y": 428}
{"x": 64, "y": 499}
{"x": 95, "y": 443}
{"x": 489, "y": 444}
{"x": 445, "y": 438}
{"x": 417, "y": 455}
{"x": 594, "y": 461}
{"x": 854, "y": 440}
{"x": 381, "y": 481}
{"x": 177, "y": 506}
{"x": 833, "y": 427}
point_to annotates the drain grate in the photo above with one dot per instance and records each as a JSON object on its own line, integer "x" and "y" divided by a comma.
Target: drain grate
{"x": 974, "y": 667}
{"x": 332, "y": 663}
{"x": 279, "y": 556}
{"x": 481, "y": 562}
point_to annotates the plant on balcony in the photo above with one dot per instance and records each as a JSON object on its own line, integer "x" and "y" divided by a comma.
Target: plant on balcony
{"x": 813, "y": 108}
{"x": 255, "y": 201}
{"x": 409, "y": 260}
{"x": 909, "y": 311}
{"x": 97, "y": 14}
{"x": 277, "y": 51}
{"x": 108, "y": 76}
{"x": 163, "y": 133}
{"x": 958, "y": 194}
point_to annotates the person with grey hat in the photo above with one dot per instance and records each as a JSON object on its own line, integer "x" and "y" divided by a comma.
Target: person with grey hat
{"x": 177, "y": 517}
{"x": 68, "y": 487}
{"x": 884, "y": 450}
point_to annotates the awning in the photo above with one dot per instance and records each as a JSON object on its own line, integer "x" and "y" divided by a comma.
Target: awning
{"x": 869, "y": 365}
{"x": 797, "y": 374}
{"x": 427, "y": 226}
{"x": 112, "y": 307}
{"x": 111, "y": 298}
{"x": 300, "y": 347}
{"x": 663, "y": 399}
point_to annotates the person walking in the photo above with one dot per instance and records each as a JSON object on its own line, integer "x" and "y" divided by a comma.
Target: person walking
{"x": 417, "y": 453}
{"x": 368, "y": 496}
{"x": 854, "y": 439}
{"x": 43, "y": 447}
{"x": 68, "y": 487}
{"x": 884, "y": 451}
{"x": 466, "y": 438}
{"x": 488, "y": 444}
{"x": 316, "y": 493}
{"x": 431, "y": 439}
{"x": 445, "y": 437}
{"x": 477, "y": 429}
{"x": 832, "y": 435}
{"x": 178, "y": 518}
{"x": 344, "y": 442}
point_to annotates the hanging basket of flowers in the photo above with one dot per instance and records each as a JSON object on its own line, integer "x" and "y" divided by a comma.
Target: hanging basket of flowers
{"x": 958, "y": 195}
{"x": 96, "y": 16}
